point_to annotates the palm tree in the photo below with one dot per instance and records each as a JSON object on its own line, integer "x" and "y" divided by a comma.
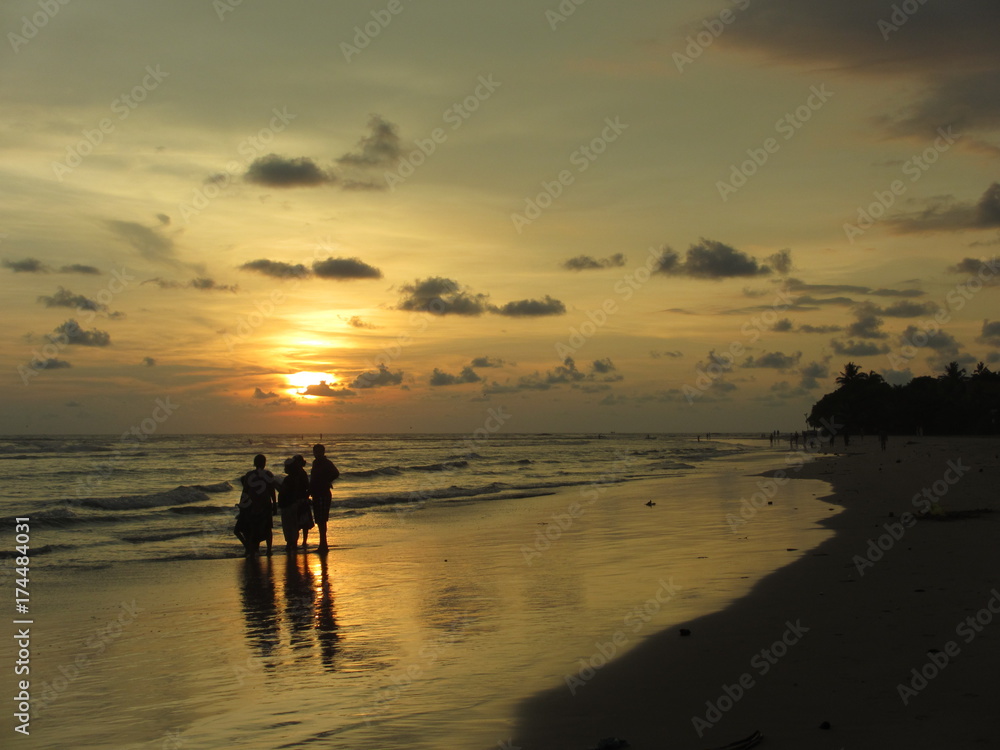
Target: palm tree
{"x": 852, "y": 373}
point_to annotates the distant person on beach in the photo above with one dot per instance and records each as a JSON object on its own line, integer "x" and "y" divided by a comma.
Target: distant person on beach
{"x": 883, "y": 438}
{"x": 322, "y": 476}
{"x": 257, "y": 505}
{"x": 293, "y": 501}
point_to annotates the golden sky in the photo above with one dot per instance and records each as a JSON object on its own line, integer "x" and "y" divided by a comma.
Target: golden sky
{"x": 595, "y": 216}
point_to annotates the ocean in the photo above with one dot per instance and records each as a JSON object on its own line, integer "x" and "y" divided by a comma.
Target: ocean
{"x": 100, "y": 500}
{"x": 462, "y": 578}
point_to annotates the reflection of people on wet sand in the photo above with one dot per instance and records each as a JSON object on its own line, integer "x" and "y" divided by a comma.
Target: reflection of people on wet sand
{"x": 320, "y": 480}
{"x": 257, "y": 505}
{"x": 293, "y": 500}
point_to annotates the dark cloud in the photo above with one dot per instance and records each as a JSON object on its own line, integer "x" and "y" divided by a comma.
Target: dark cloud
{"x": 27, "y": 265}
{"x": 380, "y": 148}
{"x": 280, "y": 172}
{"x": 854, "y": 348}
{"x": 709, "y": 259}
{"x": 905, "y": 309}
{"x": 80, "y": 268}
{"x": 939, "y": 341}
{"x": 781, "y": 261}
{"x": 441, "y": 296}
{"x": 201, "y": 284}
{"x": 378, "y": 379}
{"x": 149, "y": 243}
{"x": 262, "y": 395}
{"x": 149, "y": 362}
{"x": 797, "y": 285}
{"x": 987, "y": 269}
{"x": 65, "y": 298}
{"x": 531, "y": 308}
{"x": 782, "y": 326}
{"x": 774, "y": 360}
{"x": 356, "y": 322}
{"x": 51, "y": 364}
{"x": 323, "y": 390}
{"x": 586, "y": 262}
{"x": 468, "y": 375}
{"x": 277, "y": 269}
{"x": 345, "y": 268}
{"x": 867, "y": 323}
{"x": 807, "y": 301}
{"x": 948, "y": 215}
{"x": 805, "y": 328}
{"x": 657, "y": 353}
{"x": 811, "y": 373}
{"x": 953, "y": 84}
{"x": 990, "y": 333}
{"x": 71, "y": 333}
{"x": 487, "y": 362}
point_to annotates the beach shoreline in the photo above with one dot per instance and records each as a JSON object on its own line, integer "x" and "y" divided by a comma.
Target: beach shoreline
{"x": 863, "y": 643}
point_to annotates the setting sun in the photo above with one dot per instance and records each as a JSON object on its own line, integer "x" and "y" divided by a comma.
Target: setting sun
{"x": 300, "y": 381}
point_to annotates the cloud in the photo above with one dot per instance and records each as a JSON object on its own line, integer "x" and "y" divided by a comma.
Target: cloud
{"x": 26, "y": 265}
{"x": 202, "y": 284}
{"x": 587, "y": 263}
{"x": 345, "y": 268}
{"x": 805, "y": 328}
{"x": 323, "y": 390}
{"x": 657, "y": 353}
{"x": 51, "y": 364}
{"x": 71, "y": 333}
{"x": 280, "y": 172}
{"x": 709, "y": 259}
{"x": 262, "y": 395}
{"x": 774, "y": 360}
{"x": 379, "y": 148}
{"x": 441, "y": 296}
{"x": 355, "y": 321}
{"x": 487, "y": 362}
{"x": 149, "y": 243}
{"x": 905, "y": 309}
{"x": 782, "y": 326}
{"x": 597, "y": 377}
{"x": 940, "y": 215}
{"x": 990, "y": 333}
{"x": 854, "y": 348}
{"x": 79, "y": 268}
{"x": 811, "y": 373}
{"x": 277, "y": 269}
{"x": 797, "y": 285}
{"x": 149, "y": 362}
{"x": 867, "y": 322}
{"x": 65, "y": 298}
{"x": 468, "y": 375}
{"x": 531, "y": 308}
{"x": 378, "y": 379}
{"x": 987, "y": 269}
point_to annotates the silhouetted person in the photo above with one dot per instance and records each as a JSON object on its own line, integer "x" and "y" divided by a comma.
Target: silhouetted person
{"x": 257, "y": 505}
{"x": 883, "y": 438}
{"x": 323, "y": 475}
{"x": 293, "y": 500}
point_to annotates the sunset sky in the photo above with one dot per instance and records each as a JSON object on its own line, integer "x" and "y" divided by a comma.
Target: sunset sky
{"x": 401, "y": 215}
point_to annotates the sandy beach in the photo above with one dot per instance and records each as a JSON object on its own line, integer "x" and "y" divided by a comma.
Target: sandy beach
{"x": 887, "y": 633}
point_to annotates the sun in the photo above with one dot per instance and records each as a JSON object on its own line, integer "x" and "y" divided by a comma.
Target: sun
{"x": 299, "y": 381}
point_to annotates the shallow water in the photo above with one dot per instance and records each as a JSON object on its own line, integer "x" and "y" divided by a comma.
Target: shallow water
{"x": 421, "y": 630}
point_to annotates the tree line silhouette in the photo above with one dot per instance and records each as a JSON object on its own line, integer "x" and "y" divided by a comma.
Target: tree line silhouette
{"x": 953, "y": 403}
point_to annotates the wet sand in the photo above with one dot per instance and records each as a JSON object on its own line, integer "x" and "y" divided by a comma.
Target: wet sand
{"x": 832, "y": 639}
